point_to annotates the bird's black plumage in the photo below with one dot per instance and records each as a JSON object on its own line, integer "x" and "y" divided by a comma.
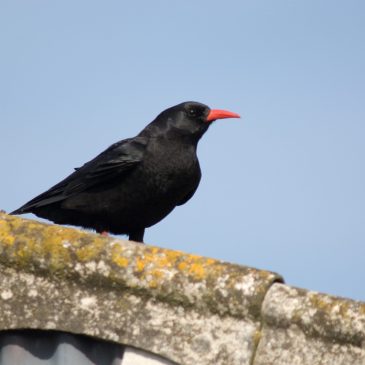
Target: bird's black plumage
{"x": 136, "y": 182}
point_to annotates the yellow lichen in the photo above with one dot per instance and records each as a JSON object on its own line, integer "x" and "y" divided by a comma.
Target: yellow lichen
{"x": 161, "y": 261}
{"x": 140, "y": 264}
{"x": 56, "y": 246}
{"x": 153, "y": 284}
{"x": 197, "y": 271}
{"x": 173, "y": 256}
{"x": 5, "y": 234}
{"x": 210, "y": 261}
{"x": 330, "y": 305}
{"x": 90, "y": 251}
{"x": 155, "y": 281}
{"x": 182, "y": 266}
{"x": 117, "y": 257}
{"x": 121, "y": 261}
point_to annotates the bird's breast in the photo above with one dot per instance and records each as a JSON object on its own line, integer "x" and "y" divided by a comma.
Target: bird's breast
{"x": 171, "y": 169}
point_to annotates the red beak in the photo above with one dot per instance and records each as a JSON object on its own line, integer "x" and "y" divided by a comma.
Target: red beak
{"x": 220, "y": 114}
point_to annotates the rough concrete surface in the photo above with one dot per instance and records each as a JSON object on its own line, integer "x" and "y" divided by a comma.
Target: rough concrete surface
{"x": 302, "y": 327}
{"x": 167, "y": 306}
{"x": 186, "y": 308}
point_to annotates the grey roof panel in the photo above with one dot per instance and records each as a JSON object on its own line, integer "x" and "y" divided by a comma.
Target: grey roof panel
{"x": 29, "y": 347}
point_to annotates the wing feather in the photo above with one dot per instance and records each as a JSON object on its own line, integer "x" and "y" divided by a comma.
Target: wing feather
{"x": 116, "y": 161}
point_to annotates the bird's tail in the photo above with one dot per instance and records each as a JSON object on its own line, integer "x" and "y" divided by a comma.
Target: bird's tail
{"x": 18, "y": 211}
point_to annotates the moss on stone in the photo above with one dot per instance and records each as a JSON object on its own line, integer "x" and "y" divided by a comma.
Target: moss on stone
{"x": 172, "y": 276}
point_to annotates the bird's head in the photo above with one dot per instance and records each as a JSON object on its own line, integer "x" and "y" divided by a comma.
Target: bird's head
{"x": 201, "y": 113}
{"x": 189, "y": 119}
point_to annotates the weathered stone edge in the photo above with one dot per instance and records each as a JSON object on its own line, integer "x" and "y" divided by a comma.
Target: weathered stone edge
{"x": 171, "y": 276}
{"x": 185, "y": 336}
{"x": 332, "y": 318}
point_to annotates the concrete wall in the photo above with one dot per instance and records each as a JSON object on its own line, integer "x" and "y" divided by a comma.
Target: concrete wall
{"x": 165, "y": 306}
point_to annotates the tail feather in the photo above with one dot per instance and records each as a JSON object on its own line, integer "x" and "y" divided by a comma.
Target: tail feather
{"x": 17, "y": 211}
{"x": 47, "y": 198}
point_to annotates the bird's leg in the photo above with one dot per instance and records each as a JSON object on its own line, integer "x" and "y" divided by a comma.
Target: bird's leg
{"x": 137, "y": 235}
{"x": 102, "y": 232}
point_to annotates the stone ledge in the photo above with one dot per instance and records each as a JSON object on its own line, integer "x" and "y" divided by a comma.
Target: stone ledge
{"x": 184, "y": 308}
{"x": 187, "y": 308}
{"x": 170, "y": 276}
{"x": 303, "y": 327}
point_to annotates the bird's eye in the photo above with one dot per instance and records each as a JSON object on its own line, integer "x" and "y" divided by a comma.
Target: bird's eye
{"x": 192, "y": 112}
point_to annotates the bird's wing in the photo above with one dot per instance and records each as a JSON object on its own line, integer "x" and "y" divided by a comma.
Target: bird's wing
{"x": 114, "y": 162}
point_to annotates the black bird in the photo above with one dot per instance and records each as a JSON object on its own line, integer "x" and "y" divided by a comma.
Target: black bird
{"x": 135, "y": 182}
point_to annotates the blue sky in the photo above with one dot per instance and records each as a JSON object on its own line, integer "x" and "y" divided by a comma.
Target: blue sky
{"x": 282, "y": 188}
